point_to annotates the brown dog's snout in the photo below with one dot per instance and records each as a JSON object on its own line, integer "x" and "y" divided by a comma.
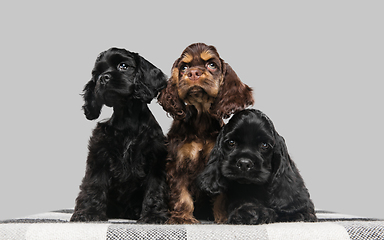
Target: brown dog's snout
{"x": 244, "y": 164}
{"x": 105, "y": 78}
{"x": 194, "y": 74}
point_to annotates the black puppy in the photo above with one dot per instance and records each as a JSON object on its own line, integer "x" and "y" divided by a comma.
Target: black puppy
{"x": 125, "y": 176}
{"x": 252, "y": 171}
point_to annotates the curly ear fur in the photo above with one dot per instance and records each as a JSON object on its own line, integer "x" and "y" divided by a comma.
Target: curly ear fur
{"x": 211, "y": 179}
{"x": 287, "y": 186}
{"x": 150, "y": 80}
{"x": 233, "y": 96}
{"x": 91, "y": 107}
{"x": 169, "y": 98}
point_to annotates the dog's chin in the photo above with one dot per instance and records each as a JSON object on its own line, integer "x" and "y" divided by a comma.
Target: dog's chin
{"x": 256, "y": 181}
{"x": 243, "y": 178}
{"x": 188, "y": 91}
{"x": 196, "y": 92}
{"x": 115, "y": 98}
{"x": 198, "y": 89}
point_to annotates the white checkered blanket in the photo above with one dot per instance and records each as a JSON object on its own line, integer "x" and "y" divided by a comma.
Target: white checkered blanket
{"x": 56, "y": 225}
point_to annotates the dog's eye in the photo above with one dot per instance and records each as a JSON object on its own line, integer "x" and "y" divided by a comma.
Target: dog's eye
{"x": 264, "y": 147}
{"x": 211, "y": 66}
{"x": 231, "y": 143}
{"x": 122, "y": 67}
{"x": 183, "y": 68}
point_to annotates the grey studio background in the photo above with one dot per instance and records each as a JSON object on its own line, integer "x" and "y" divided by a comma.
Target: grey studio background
{"x": 316, "y": 69}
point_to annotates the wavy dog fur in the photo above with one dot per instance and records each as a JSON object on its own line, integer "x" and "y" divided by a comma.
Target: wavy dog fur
{"x": 252, "y": 176}
{"x": 202, "y": 90}
{"x": 125, "y": 173}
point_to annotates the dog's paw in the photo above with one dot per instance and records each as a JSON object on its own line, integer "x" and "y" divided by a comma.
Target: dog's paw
{"x": 159, "y": 219}
{"x": 181, "y": 220}
{"x": 251, "y": 215}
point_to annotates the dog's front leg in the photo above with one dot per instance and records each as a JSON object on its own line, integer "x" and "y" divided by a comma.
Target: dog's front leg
{"x": 155, "y": 203}
{"x": 91, "y": 204}
{"x": 250, "y": 212}
{"x": 182, "y": 207}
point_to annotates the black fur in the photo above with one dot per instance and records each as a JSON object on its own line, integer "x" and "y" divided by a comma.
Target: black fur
{"x": 251, "y": 168}
{"x": 125, "y": 175}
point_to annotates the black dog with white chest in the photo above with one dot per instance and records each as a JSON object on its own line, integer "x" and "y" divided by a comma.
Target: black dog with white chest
{"x": 252, "y": 175}
{"x": 125, "y": 175}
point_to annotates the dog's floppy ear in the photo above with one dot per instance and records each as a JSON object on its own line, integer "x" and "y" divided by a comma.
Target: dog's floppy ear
{"x": 91, "y": 107}
{"x": 287, "y": 188}
{"x": 169, "y": 97}
{"x": 233, "y": 96}
{"x": 211, "y": 179}
{"x": 149, "y": 80}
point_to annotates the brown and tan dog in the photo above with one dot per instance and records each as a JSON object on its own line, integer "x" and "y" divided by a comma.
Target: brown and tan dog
{"x": 202, "y": 90}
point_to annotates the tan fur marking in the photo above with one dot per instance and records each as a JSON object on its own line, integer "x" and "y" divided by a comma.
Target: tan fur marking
{"x": 219, "y": 211}
{"x": 187, "y": 58}
{"x": 190, "y": 150}
{"x": 208, "y": 147}
{"x": 175, "y": 74}
{"x": 186, "y": 198}
{"x": 182, "y": 212}
{"x": 206, "y": 55}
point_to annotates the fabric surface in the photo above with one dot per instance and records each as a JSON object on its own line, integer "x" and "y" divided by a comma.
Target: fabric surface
{"x": 56, "y": 225}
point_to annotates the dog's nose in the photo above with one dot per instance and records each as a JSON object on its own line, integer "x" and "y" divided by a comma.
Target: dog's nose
{"x": 194, "y": 74}
{"x": 244, "y": 164}
{"x": 105, "y": 78}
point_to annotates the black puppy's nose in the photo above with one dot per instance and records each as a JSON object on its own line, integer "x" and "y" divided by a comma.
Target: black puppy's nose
{"x": 105, "y": 78}
{"x": 244, "y": 164}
